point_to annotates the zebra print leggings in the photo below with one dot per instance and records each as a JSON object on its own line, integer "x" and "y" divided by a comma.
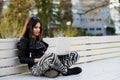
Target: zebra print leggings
{"x": 52, "y": 61}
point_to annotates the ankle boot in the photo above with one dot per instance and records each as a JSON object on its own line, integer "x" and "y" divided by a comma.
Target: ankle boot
{"x": 73, "y": 71}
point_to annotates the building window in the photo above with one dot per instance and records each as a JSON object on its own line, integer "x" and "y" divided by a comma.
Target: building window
{"x": 92, "y": 19}
{"x": 91, "y": 29}
{"x": 85, "y": 29}
{"x": 99, "y": 34}
{"x": 82, "y": 19}
{"x": 98, "y": 29}
{"x": 99, "y": 19}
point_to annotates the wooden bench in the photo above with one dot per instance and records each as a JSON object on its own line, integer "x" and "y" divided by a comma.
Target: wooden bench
{"x": 90, "y": 49}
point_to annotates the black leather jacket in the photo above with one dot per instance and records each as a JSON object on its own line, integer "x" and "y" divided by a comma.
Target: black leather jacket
{"x": 28, "y": 51}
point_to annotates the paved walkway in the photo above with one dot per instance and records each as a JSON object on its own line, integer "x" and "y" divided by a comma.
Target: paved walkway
{"x": 108, "y": 69}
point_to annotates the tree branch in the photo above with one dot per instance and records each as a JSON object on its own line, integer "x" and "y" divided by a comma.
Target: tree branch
{"x": 95, "y": 6}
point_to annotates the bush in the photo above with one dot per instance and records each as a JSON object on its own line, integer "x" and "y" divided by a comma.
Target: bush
{"x": 9, "y": 27}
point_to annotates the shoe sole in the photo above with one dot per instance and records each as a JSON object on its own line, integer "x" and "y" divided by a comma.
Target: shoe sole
{"x": 51, "y": 74}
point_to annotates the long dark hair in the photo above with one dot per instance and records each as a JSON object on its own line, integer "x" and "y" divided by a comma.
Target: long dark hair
{"x": 28, "y": 29}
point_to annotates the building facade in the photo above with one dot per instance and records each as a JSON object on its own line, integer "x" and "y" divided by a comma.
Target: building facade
{"x": 92, "y": 21}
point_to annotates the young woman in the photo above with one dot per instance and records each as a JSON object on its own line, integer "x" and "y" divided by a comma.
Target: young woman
{"x": 31, "y": 50}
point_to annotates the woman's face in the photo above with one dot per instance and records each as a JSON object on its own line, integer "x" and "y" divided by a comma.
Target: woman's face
{"x": 36, "y": 29}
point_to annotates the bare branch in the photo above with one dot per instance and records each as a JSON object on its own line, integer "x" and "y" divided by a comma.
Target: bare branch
{"x": 95, "y": 5}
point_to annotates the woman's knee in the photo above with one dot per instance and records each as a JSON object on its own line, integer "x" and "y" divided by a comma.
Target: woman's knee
{"x": 51, "y": 57}
{"x": 74, "y": 54}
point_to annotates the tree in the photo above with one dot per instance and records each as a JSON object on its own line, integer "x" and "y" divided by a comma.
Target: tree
{"x": 44, "y": 11}
{"x": 95, "y": 5}
{"x": 13, "y": 20}
{"x": 66, "y": 9}
{"x": 1, "y": 6}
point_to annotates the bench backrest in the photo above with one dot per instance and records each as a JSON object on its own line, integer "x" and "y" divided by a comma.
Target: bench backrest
{"x": 9, "y": 63}
{"x": 89, "y": 48}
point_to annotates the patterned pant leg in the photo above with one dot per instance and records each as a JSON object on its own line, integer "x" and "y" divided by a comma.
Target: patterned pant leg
{"x": 69, "y": 59}
{"x": 47, "y": 62}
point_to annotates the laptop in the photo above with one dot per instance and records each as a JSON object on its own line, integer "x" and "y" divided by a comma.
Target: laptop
{"x": 62, "y": 45}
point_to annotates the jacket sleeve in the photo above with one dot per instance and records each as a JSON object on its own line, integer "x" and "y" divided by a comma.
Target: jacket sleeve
{"x": 23, "y": 51}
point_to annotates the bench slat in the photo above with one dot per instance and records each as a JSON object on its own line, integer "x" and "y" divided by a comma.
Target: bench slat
{"x": 93, "y": 40}
{"x": 9, "y": 62}
{"x": 95, "y": 46}
{"x": 13, "y": 70}
{"x": 8, "y": 53}
{"x": 8, "y": 45}
{"x": 96, "y": 39}
{"x": 98, "y": 57}
{"x": 99, "y": 51}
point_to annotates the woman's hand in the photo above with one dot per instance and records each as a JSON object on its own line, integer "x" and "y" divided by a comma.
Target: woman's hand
{"x": 36, "y": 60}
